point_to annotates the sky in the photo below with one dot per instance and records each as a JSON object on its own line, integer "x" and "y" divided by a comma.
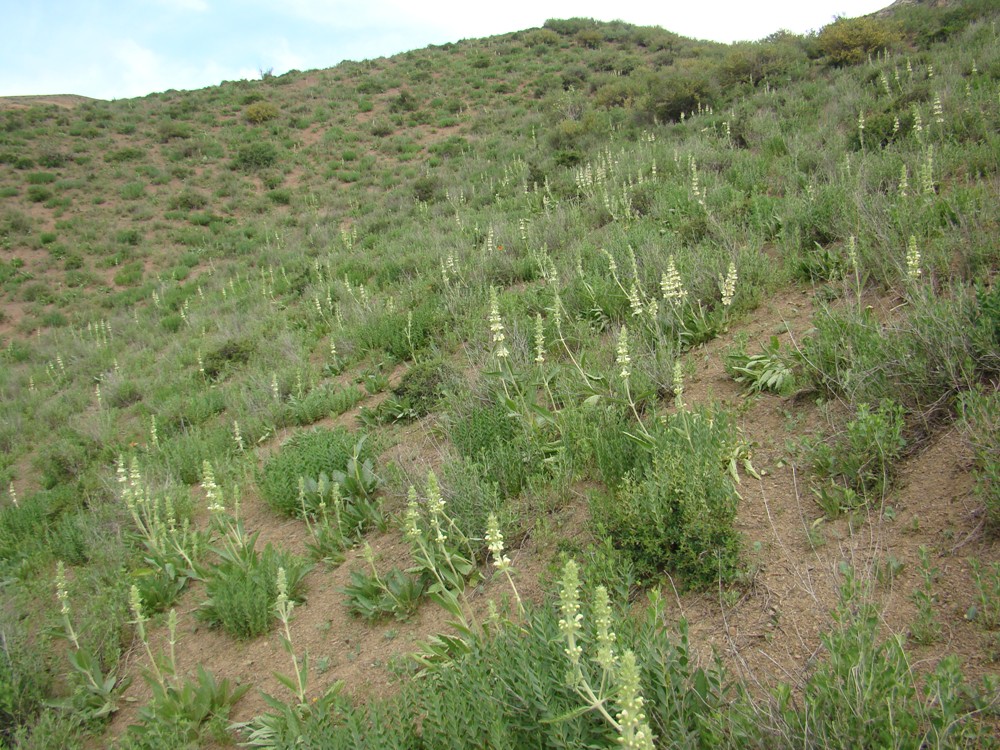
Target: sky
{"x": 117, "y": 49}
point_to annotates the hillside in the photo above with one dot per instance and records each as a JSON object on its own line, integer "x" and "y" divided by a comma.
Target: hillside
{"x": 699, "y": 341}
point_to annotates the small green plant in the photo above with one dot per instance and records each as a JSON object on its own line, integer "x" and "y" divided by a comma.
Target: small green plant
{"x": 96, "y": 693}
{"x": 371, "y": 596}
{"x": 860, "y": 461}
{"x": 241, "y": 588}
{"x": 301, "y": 722}
{"x": 981, "y": 419}
{"x": 180, "y": 709}
{"x": 619, "y": 674}
{"x": 986, "y": 579}
{"x": 925, "y": 628}
{"x": 859, "y": 669}
{"x": 375, "y": 380}
{"x": 767, "y": 371}
{"x": 418, "y": 393}
{"x": 172, "y": 546}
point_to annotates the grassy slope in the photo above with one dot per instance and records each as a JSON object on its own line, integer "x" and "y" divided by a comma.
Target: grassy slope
{"x": 198, "y": 267}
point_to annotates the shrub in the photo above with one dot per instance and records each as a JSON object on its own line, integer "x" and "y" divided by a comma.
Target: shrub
{"x": 860, "y": 671}
{"x": 259, "y": 112}
{"x": 485, "y": 433}
{"x": 849, "y": 41}
{"x": 679, "y": 514}
{"x": 677, "y": 90}
{"x": 308, "y": 455}
{"x": 427, "y": 189}
{"x": 188, "y": 200}
{"x": 399, "y": 334}
{"x": 422, "y": 386}
{"x": 243, "y": 588}
{"x": 322, "y": 402}
{"x": 24, "y": 680}
{"x": 864, "y": 456}
{"x": 129, "y": 153}
{"x": 233, "y": 353}
{"x": 38, "y": 194}
{"x": 255, "y": 156}
{"x": 131, "y": 191}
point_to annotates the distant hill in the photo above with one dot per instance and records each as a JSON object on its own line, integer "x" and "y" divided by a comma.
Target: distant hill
{"x": 68, "y": 101}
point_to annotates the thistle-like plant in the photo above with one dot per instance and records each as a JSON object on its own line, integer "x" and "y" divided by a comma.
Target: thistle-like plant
{"x": 179, "y": 707}
{"x": 299, "y": 722}
{"x": 501, "y": 562}
{"x": 96, "y": 694}
{"x": 619, "y": 675}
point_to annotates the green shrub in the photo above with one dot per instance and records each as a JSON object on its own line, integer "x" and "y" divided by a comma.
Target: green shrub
{"x": 131, "y": 191}
{"x": 22, "y": 527}
{"x": 129, "y": 275}
{"x": 984, "y": 318}
{"x": 64, "y": 457}
{"x": 243, "y": 588}
{"x": 864, "y": 457}
{"x": 399, "y": 334}
{"x": 188, "y": 200}
{"x": 849, "y": 41}
{"x": 129, "y": 153}
{"x": 322, "y": 402}
{"x": 680, "y": 89}
{"x": 229, "y": 355}
{"x": 259, "y": 112}
{"x": 422, "y": 386}
{"x": 858, "y": 670}
{"x": 185, "y": 453}
{"x": 307, "y": 455}
{"x": 679, "y": 514}
{"x": 256, "y": 156}
{"x": 38, "y": 194}
{"x": 485, "y": 433}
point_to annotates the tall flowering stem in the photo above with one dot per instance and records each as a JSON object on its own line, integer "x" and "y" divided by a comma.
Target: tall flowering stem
{"x": 913, "y": 270}
{"x": 571, "y": 627}
{"x": 494, "y": 540}
{"x": 633, "y": 730}
{"x": 283, "y": 607}
{"x": 623, "y": 360}
{"x": 62, "y": 594}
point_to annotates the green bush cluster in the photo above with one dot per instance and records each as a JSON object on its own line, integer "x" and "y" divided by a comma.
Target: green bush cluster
{"x": 679, "y": 514}
{"x": 259, "y": 112}
{"x": 864, "y": 457}
{"x": 487, "y": 435}
{"x": 849, "y": 41}
{"x": 242, "y": 589}
{"x": 307, "y": 455}
{"x": 256, "y": 156}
